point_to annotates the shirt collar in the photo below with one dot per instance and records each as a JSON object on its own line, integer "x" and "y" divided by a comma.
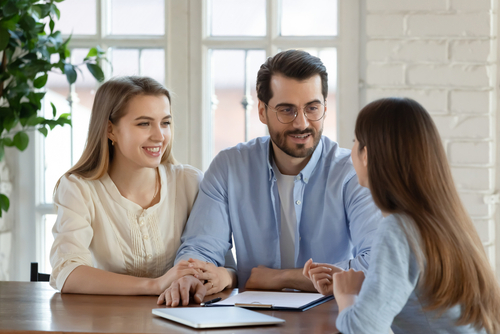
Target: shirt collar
{"x": 306, "y": 172}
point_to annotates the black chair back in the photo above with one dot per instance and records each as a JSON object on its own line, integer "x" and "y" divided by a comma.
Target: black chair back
{"x": 35, "y": 276}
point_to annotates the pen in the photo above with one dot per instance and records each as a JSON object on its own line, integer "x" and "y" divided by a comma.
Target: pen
{"x": 215, "y": 300}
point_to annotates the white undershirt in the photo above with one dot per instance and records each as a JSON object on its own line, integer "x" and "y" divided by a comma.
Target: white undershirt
{"x": 288, "y": 218}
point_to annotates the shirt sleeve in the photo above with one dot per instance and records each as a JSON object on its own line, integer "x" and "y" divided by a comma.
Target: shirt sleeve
{"x": 207, "y": 235}
{"x": 391, "y": 279}
{"x": 72, "y": 231}
{"x": 363, "y": 217}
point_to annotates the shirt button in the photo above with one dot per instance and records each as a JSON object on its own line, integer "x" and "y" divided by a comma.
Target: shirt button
{"x": 298, "y": 202}
{"x": 149, "y": 256}
{"x": 146, "y": 237}
{"x": 298, "y": 178}
{"x": 141, "y": 221}
{"x": 306, "y": 179}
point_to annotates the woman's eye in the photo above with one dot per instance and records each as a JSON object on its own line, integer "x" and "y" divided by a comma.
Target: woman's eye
{"x": 166, "y": 123}
{"x": 143, "y": 124}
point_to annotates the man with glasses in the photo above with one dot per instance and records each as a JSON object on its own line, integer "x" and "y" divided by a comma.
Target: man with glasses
{"x": 284, "y": 199}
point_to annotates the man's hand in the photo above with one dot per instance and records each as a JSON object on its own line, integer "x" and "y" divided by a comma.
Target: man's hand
{"x": 180, "y": 291}
{"x": 264, "y": 278}
{"x": 320, "y": 275}
{"x": 181, "y": 269}
{"x": 216, "y": 278}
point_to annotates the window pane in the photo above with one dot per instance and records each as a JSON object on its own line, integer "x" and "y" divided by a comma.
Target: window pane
{"x": 57, "y": 144}
{"x": 228, "y": 80}
{"x": 64, "y": 146}
{"x": 238, "y": 18}
{"x": 329, "y": 58}
{"x": 153, "y": 64}
{"x": 85, "y": 88}
{"x": 132, "y": 17}
{"x": 48, "y": 222}
{"x": 125, "y": 62}
{"x": 317, "y": 18}
{"x": 77, "y": 17}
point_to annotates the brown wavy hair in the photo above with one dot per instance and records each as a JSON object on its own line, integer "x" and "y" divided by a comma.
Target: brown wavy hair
{"x": 409, "y": 175}
{"x": 110, "y": 104}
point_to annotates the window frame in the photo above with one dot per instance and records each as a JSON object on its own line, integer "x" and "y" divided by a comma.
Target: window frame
{"x": 186, "y": 44}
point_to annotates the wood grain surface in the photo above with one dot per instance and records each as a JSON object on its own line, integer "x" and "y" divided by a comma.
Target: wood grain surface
{"x": 27, "y": 307}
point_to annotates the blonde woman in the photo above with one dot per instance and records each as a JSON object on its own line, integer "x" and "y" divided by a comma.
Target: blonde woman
{"x": 123, "y": 206}
{"x": 428, "y": 269}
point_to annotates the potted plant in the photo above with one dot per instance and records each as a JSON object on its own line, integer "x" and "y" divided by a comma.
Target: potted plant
{"x": 30, "y": 48}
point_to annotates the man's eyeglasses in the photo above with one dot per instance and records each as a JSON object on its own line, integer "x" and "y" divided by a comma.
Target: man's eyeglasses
{"x": 313, "y": 111}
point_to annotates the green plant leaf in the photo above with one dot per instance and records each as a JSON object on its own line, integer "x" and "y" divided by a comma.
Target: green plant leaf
{"x": 34, "y": 120}
{"x": 2, "y": 152}
{"x": 10, "y": 23}
{"x": 7, "y": 142}
{"x": 96, "y": 71}
{"x": 40, "y": 81}
{"x": 21, "y": 140}
{"x": 54, "y": 10}
{"x": 54, "y": 110}
{"x": 29, "y": 22}
{"x": 4, "y": 38}
{"x": 70, "y": 72}
{"x": 92, "y": 53}
{"x": 10, "y": 8}
{"x": 51, "y": 25}
{"x": 9, "y": 122}
{"x": 43, "y": 131}
{"x": 4, "y": 203}
{"x": 65, "y": 115}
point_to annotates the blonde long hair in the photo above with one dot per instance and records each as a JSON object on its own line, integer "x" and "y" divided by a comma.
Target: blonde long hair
{"x": 409, "y": 174}
{"x": 110, "y": 104}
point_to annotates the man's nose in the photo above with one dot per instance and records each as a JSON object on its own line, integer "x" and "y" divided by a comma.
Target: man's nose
{"x": 301, "y": 121}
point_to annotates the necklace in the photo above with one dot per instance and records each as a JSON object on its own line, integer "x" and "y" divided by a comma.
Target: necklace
{"x": 156, "y": 187}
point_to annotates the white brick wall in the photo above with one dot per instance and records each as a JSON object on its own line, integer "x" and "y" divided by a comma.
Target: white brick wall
{"x": 442, "y": 53}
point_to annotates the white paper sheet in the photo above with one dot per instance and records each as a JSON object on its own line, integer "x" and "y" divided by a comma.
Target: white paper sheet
{"x": 276, "y": 299}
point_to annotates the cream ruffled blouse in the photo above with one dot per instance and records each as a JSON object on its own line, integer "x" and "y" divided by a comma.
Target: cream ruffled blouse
{"x": 96, "y": 226}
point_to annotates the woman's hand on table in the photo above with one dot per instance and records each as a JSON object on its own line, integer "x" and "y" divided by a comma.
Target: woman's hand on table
{"x": 346, "y": 286}
{"x": 181, "y": 290}
{"x": 348, "y": 282}
{"x": 321, "y": 275}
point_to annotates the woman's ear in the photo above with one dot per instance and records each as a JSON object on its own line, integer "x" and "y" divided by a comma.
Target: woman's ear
{"x": 364, "y": 156}
{"x": 111, "y": 135}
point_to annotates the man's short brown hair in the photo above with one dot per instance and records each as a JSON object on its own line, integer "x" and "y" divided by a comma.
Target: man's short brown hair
{"x": 296, "y": 64}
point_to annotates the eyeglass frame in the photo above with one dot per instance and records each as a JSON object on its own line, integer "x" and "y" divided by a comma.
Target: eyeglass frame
{"x": 297, "y": 112}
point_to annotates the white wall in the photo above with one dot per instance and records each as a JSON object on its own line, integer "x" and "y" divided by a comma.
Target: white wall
{"x": 443, "y": 53}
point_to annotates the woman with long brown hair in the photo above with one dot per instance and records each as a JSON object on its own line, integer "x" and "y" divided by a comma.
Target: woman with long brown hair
{"x": 123, "y": 207}
{"x": 428, "y": 270}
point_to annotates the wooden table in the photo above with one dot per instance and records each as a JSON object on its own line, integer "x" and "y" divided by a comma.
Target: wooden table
{"x": 27, "y": 307}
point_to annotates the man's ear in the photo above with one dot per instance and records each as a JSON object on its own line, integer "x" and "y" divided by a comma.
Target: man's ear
{"x": 262, "y": 112}
{"x": 365, "y": 156}
{"x": 325, "y": 109}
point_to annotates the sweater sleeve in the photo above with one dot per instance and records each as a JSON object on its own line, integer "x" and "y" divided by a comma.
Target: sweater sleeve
{"x": 391, "y": 279}
{"x": 72, "y": 231}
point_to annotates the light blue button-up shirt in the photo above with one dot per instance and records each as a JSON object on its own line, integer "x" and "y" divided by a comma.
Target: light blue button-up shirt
{"x": 336, "y": 217}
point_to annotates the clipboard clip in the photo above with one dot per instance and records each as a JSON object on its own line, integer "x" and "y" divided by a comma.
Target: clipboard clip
{"x": 254, "y": 305}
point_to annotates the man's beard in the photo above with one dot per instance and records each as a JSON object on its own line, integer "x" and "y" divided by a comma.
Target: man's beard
{"x": 298, "y": 150}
